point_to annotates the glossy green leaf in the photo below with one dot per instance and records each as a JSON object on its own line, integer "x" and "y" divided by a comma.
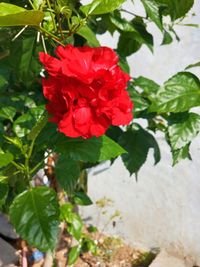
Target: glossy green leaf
{"x": 97, "y": 7}
{"x": 90, "y": 150}
{"x": 12, "y": 15}
{"x": 5, "y": 158}
{"x": 153, "y": 12}
{"x": 182, "y": 133}
{"x": 137, "y": 142}
{"x": 179, "y": 94}
{"x": 180, "y": 154}
{"x": 73, "y": 255}
{"x": 35, "y": 216}
{"x": 80, "y": 198}
{"x": 67, "y": 173}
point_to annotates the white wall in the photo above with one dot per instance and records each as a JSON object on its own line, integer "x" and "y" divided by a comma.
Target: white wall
{"x": 162, "y": 209}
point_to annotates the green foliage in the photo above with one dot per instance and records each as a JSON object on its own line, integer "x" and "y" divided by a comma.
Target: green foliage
{"x": 137, "y": 142}
{"x": 179, "y": 94}
{"x": 34, "y": 213}
{"x": 67, "y": 173}
{"x": 12, "y": 15}
{"x": 28, "y": 140}
{"x": 101, "y": 7}
{"x": 90, "y": 150}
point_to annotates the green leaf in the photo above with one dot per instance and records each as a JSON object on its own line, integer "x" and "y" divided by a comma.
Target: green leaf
{"x": 139, "y": 102}
{"x": 128, "y": 43}
{"x": 67, "y": 173}
{"x": 35, "y": 216}
{"x": 167, "y": 38}
{"x": 5, "y": 158}
{"x": 89, "y": 35}
{"x": 80, "y": 198}
{"x": 3, "y": 189}
{"x": 152, "y": 10}
{"x": 193, "y": 65}
{"x": 179, "y": 94}
{"x": 12, "y": 15}
{"x": 180, "y": 154}
{"x": 148, "y": 86}
{"x": 7, "y": 113}
{"x": 97, "y": 7}
{"x": 73, "y": 220}
{"x": 124, "y": 65}
{"x": 90, "y": 150}
{"x": 75, "y": 226}
{"x": 15, "y": 141}
{"x": 24, "y": 54}
{"x": 175, "y": 8}
{"x": 38, "y": 127}
{"x": 73, "y": 254}
{"x": 182, "y": 133}
{"x": 137, "y": 142}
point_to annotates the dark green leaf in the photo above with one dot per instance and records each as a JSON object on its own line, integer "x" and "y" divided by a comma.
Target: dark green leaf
{"x": 128, "y": 43}
{"x": 35, "y": 216}
{"x": 12, "y": 15}
{"x": 182, "y": 133}
{"x": 179, "y": 94}
{"x": 24, "y": 54}
{"x": 73, "y": 254}
{"x": 167, "y": 39}
{"x": 67, "y": 173}
{"x": 90, "y": 150}
{"x": 82, "y": 199}
{"x": 152, "y": 10}
{"x": 175, "y": 8}
{"x": 180, "y": 154}
{"x": 137, "y": 142}
{"x": 97, "y": 7}
{"x": 124, "y": 65}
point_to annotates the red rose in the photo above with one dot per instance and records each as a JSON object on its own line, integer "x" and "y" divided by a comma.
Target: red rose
{"x": 86, "y": 90}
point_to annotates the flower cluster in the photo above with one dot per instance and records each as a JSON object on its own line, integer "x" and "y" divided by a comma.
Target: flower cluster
{"x": 86, "y": 90}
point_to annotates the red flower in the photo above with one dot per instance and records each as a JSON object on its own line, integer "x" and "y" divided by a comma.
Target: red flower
{"x": 86, "y": 90}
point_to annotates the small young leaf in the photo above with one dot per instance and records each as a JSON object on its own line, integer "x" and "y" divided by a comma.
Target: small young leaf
{"x": 180, "y": 154}
{"x": 73, "y": 254}
{"x": 82, "y": 199}
{"x": 5, "y": 158}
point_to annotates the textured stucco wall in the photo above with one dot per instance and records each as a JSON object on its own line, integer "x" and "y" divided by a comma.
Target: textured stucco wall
{"x": 162, "y": 209}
